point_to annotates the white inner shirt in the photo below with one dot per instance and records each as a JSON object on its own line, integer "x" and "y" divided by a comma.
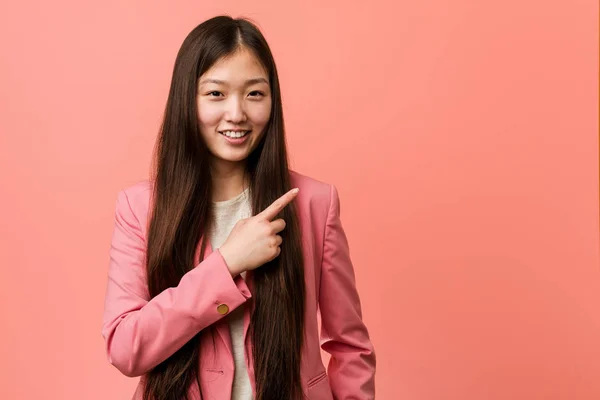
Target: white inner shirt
{"x": 226, "y": 214}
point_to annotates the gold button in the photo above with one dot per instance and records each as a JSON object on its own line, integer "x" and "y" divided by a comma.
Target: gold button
{"x": 222, "y": 309}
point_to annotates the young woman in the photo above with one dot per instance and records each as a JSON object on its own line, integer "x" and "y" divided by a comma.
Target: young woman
{"x": 220, "y": 262}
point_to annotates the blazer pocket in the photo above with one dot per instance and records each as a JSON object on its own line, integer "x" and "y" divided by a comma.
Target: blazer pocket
{"x": 315, "y": 381}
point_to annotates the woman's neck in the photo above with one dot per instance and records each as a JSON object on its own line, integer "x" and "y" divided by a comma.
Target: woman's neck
{"x": 228, "y": 181}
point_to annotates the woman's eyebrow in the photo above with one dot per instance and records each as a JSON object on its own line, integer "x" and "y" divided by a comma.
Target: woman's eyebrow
{"x": 252, "y": 81}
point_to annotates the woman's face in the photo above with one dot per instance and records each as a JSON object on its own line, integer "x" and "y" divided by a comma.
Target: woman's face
{"x": 234, "y": 106}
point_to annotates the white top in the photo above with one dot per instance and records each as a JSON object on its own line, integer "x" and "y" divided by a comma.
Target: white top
{"x": 226, "y": 214}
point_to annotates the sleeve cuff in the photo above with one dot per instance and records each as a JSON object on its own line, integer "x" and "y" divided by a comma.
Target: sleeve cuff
{"x": 229, "y": 293}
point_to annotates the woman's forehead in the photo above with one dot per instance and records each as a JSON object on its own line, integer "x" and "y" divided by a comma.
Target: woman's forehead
{"x": 240, "y": 68}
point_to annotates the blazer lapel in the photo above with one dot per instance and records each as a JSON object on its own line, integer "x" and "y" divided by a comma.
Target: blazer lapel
{"x": 249, "y": 304}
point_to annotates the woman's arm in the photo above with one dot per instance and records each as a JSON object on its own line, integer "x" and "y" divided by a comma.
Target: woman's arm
{"x": 141, "y": 332}
{"x": 351, "y": 369}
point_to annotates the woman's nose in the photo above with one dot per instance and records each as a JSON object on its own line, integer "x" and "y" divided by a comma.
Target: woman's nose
{"x": 235, "y": 110}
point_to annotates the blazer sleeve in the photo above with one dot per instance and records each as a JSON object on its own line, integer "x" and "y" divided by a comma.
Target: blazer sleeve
{"x": 140, "y": 332}
{"x": 351, "y": 368}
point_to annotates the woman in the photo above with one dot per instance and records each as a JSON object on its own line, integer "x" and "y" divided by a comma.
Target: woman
{"x": 217, "y": 267}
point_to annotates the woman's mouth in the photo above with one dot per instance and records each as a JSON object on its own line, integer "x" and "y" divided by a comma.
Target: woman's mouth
{"x": 235, "y": 137}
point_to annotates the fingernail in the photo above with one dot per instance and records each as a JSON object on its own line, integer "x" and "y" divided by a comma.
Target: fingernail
{"x": 295, "y": 191}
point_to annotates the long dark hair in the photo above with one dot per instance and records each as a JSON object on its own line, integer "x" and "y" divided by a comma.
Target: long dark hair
{"x": 181, "y": 212}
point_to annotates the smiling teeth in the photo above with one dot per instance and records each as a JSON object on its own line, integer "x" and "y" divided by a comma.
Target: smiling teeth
{"x": 233, "y": 134}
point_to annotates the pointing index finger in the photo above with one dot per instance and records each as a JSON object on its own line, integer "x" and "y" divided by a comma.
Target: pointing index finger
{"x": 271, "y": 212}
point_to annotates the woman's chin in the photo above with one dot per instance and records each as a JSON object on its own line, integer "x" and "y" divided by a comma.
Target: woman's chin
{"x": 232, "y": 157}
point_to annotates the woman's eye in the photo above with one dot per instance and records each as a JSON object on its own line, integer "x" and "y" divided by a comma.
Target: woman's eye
{"x": 214, "y": 93}
{"x": 255, "y": 93}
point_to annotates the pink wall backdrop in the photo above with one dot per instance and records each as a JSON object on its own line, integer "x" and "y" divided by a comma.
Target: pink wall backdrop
{"x": 462, "y": 135}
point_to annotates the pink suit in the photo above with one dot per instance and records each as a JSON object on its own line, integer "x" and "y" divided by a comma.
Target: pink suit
{"x": 141, "y": 332}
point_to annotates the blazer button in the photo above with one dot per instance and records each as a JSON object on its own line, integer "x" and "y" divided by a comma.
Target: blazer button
{"x": 222, "y": 309}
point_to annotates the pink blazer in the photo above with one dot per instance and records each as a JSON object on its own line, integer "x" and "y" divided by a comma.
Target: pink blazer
{"x": 140, "y": 332}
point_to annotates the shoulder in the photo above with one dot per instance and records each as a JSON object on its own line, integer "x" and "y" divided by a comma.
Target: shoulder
{"x": 309, "y": 185}
{"x": 133, "y": 201}
{"x": 138, "y": 193}
{"x": 314, "y": 192}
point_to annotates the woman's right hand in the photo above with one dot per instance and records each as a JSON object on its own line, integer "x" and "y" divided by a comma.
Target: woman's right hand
{"x": 255, "y": 241}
